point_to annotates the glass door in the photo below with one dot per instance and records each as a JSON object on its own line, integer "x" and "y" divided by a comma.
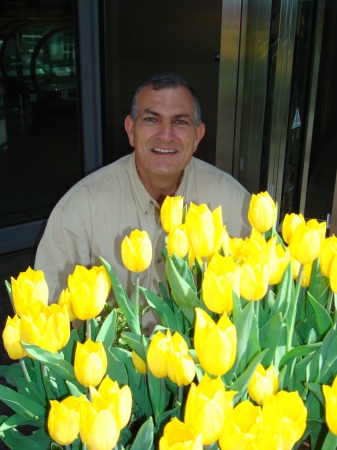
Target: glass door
{"x": 39, "y": 138}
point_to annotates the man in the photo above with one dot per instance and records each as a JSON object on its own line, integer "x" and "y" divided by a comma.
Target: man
{"x": 91, "y": 220}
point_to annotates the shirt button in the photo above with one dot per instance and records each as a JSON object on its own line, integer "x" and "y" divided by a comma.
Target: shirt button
{"x": 152, "y": 202}
{"x": 145, "y": 212}
{"x": 159, "y": 260}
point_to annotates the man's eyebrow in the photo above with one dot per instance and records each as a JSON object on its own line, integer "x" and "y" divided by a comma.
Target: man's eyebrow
{"x": 155, "y": 113}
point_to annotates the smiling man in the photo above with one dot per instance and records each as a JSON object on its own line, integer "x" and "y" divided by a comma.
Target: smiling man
{"x": 91, "y": 220}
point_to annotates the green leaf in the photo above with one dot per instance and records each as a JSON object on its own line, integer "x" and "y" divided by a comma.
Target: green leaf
{"x": 116, "y": 370}
{"x": 243, "y": 325}
{"x": 319, "y": 284}
{"x": 242, "y": 382}
{"x": 22, "y": 405}
{"x": 16, "y": 420}
{"x": 285, "y": 291}
{"x": 185, "y": 297}
{"x": 38, "y": 440}
{"x": 31, "y": 390}
{"x": 270, "y": 334}
{"x": 14, "y": 371}
{"x": 68, "y": 351}
{"x": 166, "y": 416}
{"x": 122, "y": 299}
{"x": 184, "y": 271}
{"x": 9, "y": 290}
{"x": 328, "y": 351}
{"x": 302, "y": 350}
{"x": 144, "y": 438}
{"x": 107, "y": 333}
{"x": 330, "y": 441}
{"x": 135, "y": 342}
{"x": 316, "y": 389}
{"x": 322, "y": 318}
{"x": 53, "y": 361}
{"x": 167, "y": 317}
{"x": 55, "y": 446}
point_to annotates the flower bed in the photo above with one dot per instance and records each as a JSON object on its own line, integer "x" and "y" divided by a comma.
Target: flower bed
{"x": 245, "y": 355}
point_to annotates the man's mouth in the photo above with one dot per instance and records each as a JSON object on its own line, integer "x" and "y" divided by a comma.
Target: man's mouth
{"x": 163, "y": 150}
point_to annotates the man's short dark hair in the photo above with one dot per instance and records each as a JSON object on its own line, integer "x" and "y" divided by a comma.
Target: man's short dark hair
{"x": 167, "y": 81}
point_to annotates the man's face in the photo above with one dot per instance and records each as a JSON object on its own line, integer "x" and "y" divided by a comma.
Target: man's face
{"x": 164, "y": 133}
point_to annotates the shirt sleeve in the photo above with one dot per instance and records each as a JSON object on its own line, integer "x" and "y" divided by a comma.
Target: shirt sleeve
{"x": 63, "y": 245}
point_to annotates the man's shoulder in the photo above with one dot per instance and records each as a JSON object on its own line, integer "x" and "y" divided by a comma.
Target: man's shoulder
{"x": 104, "y": 177}
{"x": 212, "y": 173}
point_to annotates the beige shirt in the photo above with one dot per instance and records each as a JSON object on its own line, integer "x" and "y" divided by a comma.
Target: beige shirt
{"x": 95, "y": 215}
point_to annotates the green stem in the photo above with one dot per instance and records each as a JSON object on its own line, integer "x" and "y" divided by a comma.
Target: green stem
{"x": 24, "y": 370}
{"x": 67, "y": 447}
{"x": 136, "y": 297}
{"x": 88, "y": 329}
{"x": 333, "y": 294}
{"x": 46, "y": 382}
{"x": 292, "y": 311}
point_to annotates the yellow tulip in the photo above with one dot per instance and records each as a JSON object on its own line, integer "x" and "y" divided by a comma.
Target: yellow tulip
{"x": 46, "y": 326}
{"x": 221, "y": 278}
{"x": 277, "y": 263}
{"x": 64, "y": 419}
{"x": 215, "y": 344}
{"x": 333, "y": 275}
{"x": 200, "y": 229}
{"x": 241, "y": 427}
{"x": 328, "y": 253}
{"x": 262, "y": 212}
{"x": 207, "y": 407}
{"x": 90, "y": 363}
{"x": 29, "y": 288}
{"x": 138, "y": 362}
{"x": 98, "y": 429}
{"x": 171, "y": 212}
{"x": 89, "y": 289}
{"x": 330, "y": 396}
{"x": 11, "y": 337}
{"x": 177, "y": 242}
{"x": 254, "y": 279}
{"x": 180, "y": 365}
{"x": 305, "y": 244}
{"x": 157, "y": 354}
{"x": 239, "y": 249}
{"x": 320, "y": 228}
{"x": 263, "y": 383}
{"x": 137, "y": 251}
{"x": 111, "y": 397}
{"x": 65, "y": 299}
{"x": 306, "y": 272}
{"x": 179, "y": 436}
{"x": 290, "y": 223}
{"x": 286, "y": 415}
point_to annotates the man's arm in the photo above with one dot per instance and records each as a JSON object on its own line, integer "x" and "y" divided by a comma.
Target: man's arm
{"x": 63, "y": 245}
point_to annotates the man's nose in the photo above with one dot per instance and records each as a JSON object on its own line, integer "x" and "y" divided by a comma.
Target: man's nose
{"x": 165, "y": 132}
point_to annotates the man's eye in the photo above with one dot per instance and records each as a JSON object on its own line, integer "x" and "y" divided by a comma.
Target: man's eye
{"x": 180, "y": 122}
{"x": 150, "y": 119}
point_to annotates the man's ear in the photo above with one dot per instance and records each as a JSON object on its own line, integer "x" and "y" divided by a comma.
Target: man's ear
{"x": 129, "y": 127}
{"x": 199, "y": 134}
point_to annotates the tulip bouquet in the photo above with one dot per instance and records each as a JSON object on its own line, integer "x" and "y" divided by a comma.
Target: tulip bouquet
{"x": 244, "y": 356}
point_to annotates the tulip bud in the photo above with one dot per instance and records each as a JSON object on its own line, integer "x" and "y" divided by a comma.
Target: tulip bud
{"x": 29, "y": 288}
{"x": 157, "y": 354}
{"x": 305, "y": 244}
{"x": 221, "y": 278}
{"x": 290, "y": 223}
{"x": 64, "y": 419}
{"x": 242, "y": 426}
{"x": 46, "y": 326}
{"x": 215, "y": 344}
{"x": 262, "y": 384}
{"x": 200, "y": 230}
{"x": 89, "y": 289}
{"x": 12, "y": 338}
{"x": 177, "y": 242}
{"x": 328, "y": 253}
{"x": 286, "y": 415}
{"x": 330, "y": 396}
{"x": 253, "y": 280}
{"x": 207, "y": 407}
{"x": 98, "y": 429}
{"x": 113, "y": 398}
{"x": 180, "y": 365}
{"x": 137, "y": 251}
{"x": 333, "y": 275}
{"x": 138, "y": 363}
{"x": 171, "y": 212}
{"x": 177, "y": 435}
{"x": 65, "y": 299}
{"x": 90, "y": 363}
{"x": 262, "y": 212}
